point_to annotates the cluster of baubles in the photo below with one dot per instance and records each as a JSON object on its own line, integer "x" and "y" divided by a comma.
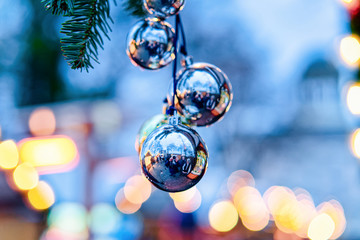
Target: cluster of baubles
{"x": 173, "y": 156}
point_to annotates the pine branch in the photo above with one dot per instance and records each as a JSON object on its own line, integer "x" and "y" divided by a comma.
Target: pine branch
{"x": 59, "y": 7}
{"x": 135, "y": 7}
{"x": 83, "y": 31}
{"x": 88, "y": 21}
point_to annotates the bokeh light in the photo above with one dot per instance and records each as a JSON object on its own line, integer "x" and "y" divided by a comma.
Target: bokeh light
{"x": 49, "y": 154}
{"x": 274, "y": 196}
{"x": 137, "y": 189}
{"x": 321, "y": 227}
{"x": 192, "y": 203}
{"x": 307, "y": 211}
{"x": 68, "y": 217}
{"x": 25, "y": 176}
{"x": 242, "y": 194}
{"x": 351, "y": 5}
{"x": 256, "y": 223}
{"x": 252, "y": 209}
{"x": 353, "y": 98}
{"x": 9, "y": 155}
{"x": 336, "y": 212}
{"x": 238, "y": 179}
{"x": 355, "y": 143}
{"x": 350, "y": 50}
{"x": 41, "y": 197}
{"x": 104, "y": 219}
{"x": 285, "y": 209}
{"x": 124, "y": 205}
{"x": 223, "y": 216}
{"x": 42, "y": 122}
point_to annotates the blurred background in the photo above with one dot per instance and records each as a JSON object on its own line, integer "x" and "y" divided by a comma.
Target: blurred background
{"x": 284, "y": 161}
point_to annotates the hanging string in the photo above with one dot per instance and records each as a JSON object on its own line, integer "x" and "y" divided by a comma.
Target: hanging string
{"x": 172, "y": 109}
{"x": 178, "y": 28}
{"x": 183, "y": 45}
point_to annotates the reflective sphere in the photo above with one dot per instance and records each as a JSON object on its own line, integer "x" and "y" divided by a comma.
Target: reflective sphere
{"x": 174, "y": 158}
{"x": 203, "y": 94}
{"x": 150, "y": 44}
{"x": 150, "y": 125}
{"x": 164, "y": 8}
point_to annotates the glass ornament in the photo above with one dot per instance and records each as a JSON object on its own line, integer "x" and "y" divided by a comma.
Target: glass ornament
{"x": 164, "y": 8}
{"x": 174, "y": 157}
{"x": 150, "y": 44}
{"x": 203, "y": 93}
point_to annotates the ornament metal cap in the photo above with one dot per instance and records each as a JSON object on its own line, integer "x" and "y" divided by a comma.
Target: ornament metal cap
{"x": 175, "y": 119}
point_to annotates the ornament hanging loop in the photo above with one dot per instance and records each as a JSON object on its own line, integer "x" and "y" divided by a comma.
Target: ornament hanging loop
{"x": 175, "y": 119}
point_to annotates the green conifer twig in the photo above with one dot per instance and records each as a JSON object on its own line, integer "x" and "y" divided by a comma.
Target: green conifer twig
{"x": 135, "y": 7}
{"x": 83, "y": 32}
{"x": 59, "y": 7}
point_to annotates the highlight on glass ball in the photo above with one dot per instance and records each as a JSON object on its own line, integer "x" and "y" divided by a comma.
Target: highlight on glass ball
{"x": 174, "y": 158}
{"x": 164, "y": 8}
{"x": 150, "y": 44}
{"x": 150, "y": 125}
{"x": 203, "y": 94}
{"x": 147, "y": 127}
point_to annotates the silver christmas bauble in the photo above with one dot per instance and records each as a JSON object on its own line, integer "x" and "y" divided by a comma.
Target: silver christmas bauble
{"x": 174, "y": 158}
{"x": 164, "y": 8}
{"x": 203, "y": 94}
{"x": 150, "y": 44}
